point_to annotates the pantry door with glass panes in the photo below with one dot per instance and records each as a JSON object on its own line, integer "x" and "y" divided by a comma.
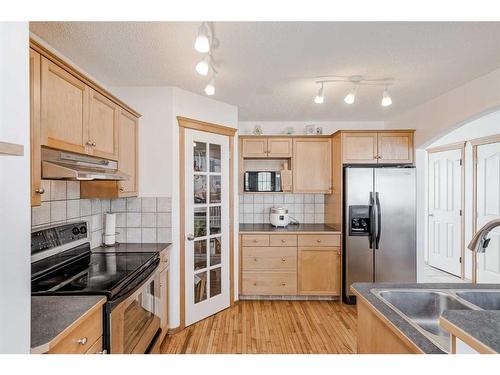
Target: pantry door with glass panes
{"x": 207, "y": 224}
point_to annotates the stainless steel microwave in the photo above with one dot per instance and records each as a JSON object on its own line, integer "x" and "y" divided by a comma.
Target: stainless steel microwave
{"x": 263, "y": 181}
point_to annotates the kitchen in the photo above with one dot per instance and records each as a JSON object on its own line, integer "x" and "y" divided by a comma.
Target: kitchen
{"x": 173, "y": 211}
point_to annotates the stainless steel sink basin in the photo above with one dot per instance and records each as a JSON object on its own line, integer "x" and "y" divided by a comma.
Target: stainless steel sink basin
{"x": 487, "y": 300}
{"x": 422, "y": 308}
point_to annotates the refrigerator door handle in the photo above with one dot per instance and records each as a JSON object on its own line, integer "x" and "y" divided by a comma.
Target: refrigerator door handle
{"x": 371, "y": 234}
{"x": 379, "y": 220}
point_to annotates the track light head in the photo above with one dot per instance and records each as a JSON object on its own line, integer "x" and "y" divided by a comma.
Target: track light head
{"x": 386, "y": 99}
{"x": 203, "y": 66}
{"x": 202, "y": 43}
{"x": 350, "y": 97}
{"x": 210, "y": 87}
{"x": 320, "y": 98}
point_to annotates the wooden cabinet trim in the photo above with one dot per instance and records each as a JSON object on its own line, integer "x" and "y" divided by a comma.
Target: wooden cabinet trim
{"x": 36, "y": 168}
{"x": 57, "y": 60}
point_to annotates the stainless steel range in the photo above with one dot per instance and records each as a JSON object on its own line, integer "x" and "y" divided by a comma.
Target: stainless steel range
{"x": 63, "y": 264}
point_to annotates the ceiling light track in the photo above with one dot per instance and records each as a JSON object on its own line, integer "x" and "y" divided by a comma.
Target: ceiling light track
{"x": 206, "y": 43}
{"x": 355, "y": 81}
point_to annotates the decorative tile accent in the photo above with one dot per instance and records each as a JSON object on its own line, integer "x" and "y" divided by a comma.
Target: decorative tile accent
{"x": 61, "y": 204}
{"x": 306, "y": 208}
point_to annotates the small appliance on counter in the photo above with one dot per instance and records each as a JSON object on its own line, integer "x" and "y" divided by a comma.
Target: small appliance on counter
{"x": 279, "y": 217}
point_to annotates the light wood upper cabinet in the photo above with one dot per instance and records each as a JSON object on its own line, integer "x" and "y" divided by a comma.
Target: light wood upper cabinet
{"x": 395, "y": 147}
{"x": 359, "y": 148}
{"x": 312, "y": 165}
{"x": 279, "y": 147}
{"x": 377, "y": 147}
{"x": 319, "y": 271}
{"x": 127, "y": 153}
{"x": 254, "y": 147}
{"x": 36, "y": 183}
{"x": 103, "y": 126}
{"x": 64, "y": 108}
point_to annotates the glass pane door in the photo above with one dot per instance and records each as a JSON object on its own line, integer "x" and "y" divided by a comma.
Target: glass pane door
{"x": 207, "y": 224}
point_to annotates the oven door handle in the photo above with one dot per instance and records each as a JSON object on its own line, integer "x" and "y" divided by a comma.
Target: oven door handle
{"x": 134, "y": 285}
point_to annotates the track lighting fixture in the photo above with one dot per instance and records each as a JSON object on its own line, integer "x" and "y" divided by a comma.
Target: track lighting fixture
{"x": 350, "y": 97}
{"x": 386, "y": 99}
{"x": 202, "y": 43}
{"x": 356, "y": 81}
{"x": 320, "y": 98}
{"x": 203, "y": 66}
{"x": 210, "y": 87}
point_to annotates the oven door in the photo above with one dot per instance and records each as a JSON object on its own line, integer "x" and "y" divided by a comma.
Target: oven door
{"x": 134, "y": 317}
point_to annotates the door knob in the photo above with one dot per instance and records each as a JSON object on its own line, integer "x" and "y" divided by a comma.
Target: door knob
{"x": 82, "y": 341}
{"x": 190, "y": 237}
{"x": 40, "y": 190}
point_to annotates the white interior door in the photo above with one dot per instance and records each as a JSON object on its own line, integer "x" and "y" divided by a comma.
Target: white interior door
{"x": 488, "y": 208}
{"x": 445, "y": 196}
{"x": 207, "y": 224}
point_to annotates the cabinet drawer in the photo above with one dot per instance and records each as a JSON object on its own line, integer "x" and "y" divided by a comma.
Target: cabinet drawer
{"x": 269, "y": 283}
{"x": 269, "y": 258}
{"x": 319, "y": 240}
{"x": 255, "y": 240}
{"x": 96, "y": 348}
{"x": 282, "y": 240}
{"x": 82, "y": 337}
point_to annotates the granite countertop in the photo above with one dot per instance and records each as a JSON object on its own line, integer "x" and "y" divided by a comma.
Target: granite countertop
{"x": 51, "y": 316}
{"x": 479, "y": 329}
{"x": 414, "y": 335}
{"x": 132, "y": 248}
{"x": 301, "y": 228}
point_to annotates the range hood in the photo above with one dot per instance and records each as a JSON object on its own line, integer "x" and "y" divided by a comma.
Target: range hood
{"x": 63, "y": 165}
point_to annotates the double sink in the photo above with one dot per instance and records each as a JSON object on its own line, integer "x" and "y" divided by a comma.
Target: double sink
{"x": 423, "y": 307}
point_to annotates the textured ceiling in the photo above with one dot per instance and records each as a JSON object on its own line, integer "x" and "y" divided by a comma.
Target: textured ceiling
{"x": 267, "y": 69}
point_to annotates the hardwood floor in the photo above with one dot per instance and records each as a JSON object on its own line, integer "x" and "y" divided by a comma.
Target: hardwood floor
{"x": 270, "y": 327}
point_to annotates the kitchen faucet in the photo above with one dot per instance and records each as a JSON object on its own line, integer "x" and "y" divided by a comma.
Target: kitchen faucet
{"x": 479, "y": 242}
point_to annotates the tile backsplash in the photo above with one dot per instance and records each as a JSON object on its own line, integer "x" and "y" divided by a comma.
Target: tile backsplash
{"x": 144, "y": 220}
{"x": 306, "y": 208}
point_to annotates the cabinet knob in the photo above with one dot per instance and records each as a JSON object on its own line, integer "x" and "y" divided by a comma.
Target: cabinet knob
{"x": 94, "y": 144}
{"x": 255, "y": 259}
{"x": 283, "y": 259}
{"x": 255, "y": 241}
{"x": 40, "y": 190}
{"x": 122, "y": 189}
{"x": 82, "y": 341}
{"x": 89, "y": 143}
{"x": 283, "y": 241}
{"x": 283, "y": 284}
{"x": 103, "y": 352}
{"x": 318, "y": 241}
{"x": 255, "y": 283}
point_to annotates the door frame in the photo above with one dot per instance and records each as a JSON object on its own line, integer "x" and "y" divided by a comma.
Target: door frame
{"x": 475, "y": 143}
{"x": 188, "y": 123}
{"x": 449, "y": 147}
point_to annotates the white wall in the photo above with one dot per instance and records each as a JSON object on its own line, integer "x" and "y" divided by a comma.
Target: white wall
{"x": 482, "y": 127}
{"x": 329, "y": 127}
{"x": 155, "y": 104}
{"x": 15, "y": 222}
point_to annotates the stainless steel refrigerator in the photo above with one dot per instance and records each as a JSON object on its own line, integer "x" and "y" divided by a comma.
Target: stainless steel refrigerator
{"x": 379, "y": 226}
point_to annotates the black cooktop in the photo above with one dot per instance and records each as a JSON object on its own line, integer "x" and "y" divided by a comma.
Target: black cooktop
{"x": 78, "y": 271}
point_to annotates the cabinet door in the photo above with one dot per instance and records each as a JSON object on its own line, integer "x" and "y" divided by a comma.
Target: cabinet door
{"x": 319, "y": 271}
{"x": 254, "y": 147}
{"x": 64, "y": 109}
{"x": 312, "y": 165}
{"x": 395, "y": 147}
{"x": 103, "y": 126}
{"x": 279, "y": 148}
{"x": 164, "y": 299}
{"x": 127, "y": 153}
{"x": 359, "y": 148}
{"x": 36, "y": 168}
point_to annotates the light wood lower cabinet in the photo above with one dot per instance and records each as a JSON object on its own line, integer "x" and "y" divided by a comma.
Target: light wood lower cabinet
{"x": 319, "y": 270}
{"x": 83, "y": 338}
{"x": 290, "y": 265}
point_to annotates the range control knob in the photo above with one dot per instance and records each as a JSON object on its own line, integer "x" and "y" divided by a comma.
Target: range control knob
{"x": 83, "y": 230}
{"x": 75, "y": 231}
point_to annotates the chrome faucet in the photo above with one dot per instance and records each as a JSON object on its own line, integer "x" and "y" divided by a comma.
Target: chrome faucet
{"x": 479, "y": 242}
